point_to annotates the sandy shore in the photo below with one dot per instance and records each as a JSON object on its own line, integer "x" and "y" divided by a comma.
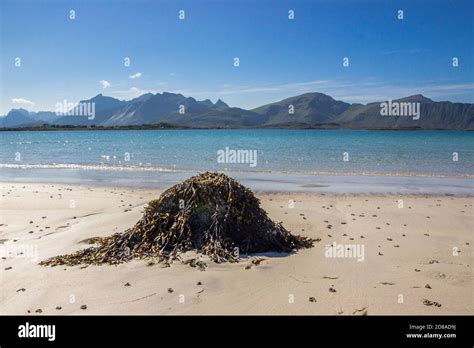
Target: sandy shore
{"x": 409, "y": 256}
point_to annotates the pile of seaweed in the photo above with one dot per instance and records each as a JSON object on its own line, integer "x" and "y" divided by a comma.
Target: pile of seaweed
{"x": 210, "y": 213}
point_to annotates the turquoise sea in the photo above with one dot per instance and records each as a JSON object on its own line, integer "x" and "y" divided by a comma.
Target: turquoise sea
{"x": 296, "y": 160}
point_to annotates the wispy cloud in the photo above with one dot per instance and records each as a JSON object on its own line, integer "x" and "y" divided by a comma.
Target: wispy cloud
{"x": 237, "y": 90}
{"x": 136, "y": 76}
{"x": 382, "y": 91}
{"x": 136, "y": 90}
{"x": 22, "y": 101}
{"x": 131, "y": 93}
{"x": 104, "y": 83}
{"x": 350, "y": 91}
{"x": 368, "y": 91}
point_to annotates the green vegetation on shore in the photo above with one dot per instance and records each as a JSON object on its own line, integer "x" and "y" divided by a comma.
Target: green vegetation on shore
{"x": 49, "y": 127}
{"x": 169, "y": 126}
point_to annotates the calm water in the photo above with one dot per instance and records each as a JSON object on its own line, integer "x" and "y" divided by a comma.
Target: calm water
{"x": 128, "y": 155}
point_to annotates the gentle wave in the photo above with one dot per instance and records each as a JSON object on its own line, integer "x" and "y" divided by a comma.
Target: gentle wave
{"x": 132, "y": 168}
{"x": 90, "y": 167}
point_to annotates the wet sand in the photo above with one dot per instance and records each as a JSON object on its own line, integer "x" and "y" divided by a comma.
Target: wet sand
{"x": 417, "y": 258}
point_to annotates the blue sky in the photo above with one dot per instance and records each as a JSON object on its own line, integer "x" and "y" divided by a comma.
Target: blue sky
{"x": 388, "y": 58}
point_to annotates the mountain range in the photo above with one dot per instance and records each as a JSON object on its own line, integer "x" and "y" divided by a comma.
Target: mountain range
{"x": 310, "y": 110}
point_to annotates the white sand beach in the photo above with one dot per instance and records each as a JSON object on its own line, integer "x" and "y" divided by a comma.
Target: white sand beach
{"x": 421, "y": 251}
